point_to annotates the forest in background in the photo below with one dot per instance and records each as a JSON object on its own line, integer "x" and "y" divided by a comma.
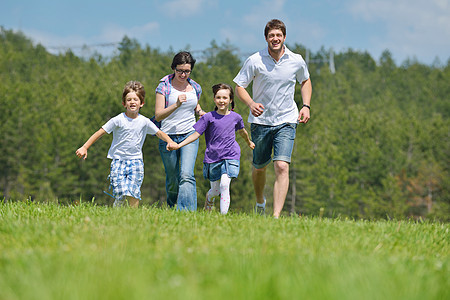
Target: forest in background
{"x": 377, "y": 145}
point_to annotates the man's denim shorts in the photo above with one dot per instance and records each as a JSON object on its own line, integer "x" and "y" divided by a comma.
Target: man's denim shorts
{"x": 280, "y": 138}
{"x": 214, "y": 171}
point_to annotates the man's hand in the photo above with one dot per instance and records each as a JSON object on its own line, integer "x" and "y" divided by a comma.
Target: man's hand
{"x": 256, "y": 108}
{"x": 304, "y": 115}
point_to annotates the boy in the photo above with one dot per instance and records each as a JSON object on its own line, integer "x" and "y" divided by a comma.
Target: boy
{"x": 129, "y": 132}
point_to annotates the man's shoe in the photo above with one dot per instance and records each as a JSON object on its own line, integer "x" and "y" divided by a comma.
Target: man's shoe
{"x": 260, "y": 209}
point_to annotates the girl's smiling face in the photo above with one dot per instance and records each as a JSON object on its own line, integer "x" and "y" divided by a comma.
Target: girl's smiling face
{"x": 222, "y": 100}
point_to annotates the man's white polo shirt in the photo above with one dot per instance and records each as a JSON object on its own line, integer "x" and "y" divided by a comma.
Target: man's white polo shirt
{"x": 273, "y": 85}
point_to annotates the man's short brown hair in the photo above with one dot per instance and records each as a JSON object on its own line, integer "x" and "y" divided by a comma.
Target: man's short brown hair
{"x": 274, "y": 24}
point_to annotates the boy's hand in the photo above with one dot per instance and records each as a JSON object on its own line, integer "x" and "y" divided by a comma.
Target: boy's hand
{"x": 172, "y": 146}
{"x": 81, "y": 152}
{"x": 251, "y": 145}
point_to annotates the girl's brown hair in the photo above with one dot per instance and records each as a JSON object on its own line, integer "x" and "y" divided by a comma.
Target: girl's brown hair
{"x": 224, "y": 86}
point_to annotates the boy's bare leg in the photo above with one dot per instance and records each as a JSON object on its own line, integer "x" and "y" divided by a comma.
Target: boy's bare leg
{"x": 133, "y": 202}
{"x": 281, "y": 186}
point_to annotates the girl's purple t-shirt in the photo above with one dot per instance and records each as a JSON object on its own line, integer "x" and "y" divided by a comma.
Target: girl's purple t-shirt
{"x": 220, "y": 135}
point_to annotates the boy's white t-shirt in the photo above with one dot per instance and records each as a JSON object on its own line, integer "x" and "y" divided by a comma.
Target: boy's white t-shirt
{"x": 128, "y": 135}
{"x": 182, "y": 120}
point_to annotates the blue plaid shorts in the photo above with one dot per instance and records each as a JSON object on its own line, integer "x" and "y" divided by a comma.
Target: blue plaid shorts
{"x": 126, "y": 178}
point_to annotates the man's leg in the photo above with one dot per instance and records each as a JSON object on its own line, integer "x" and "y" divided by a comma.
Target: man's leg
{"x": 259, "y": 182}
{"x": 262, "y": 136}
{"x": 281, "y": 186}
{"x": 283, "y": 147}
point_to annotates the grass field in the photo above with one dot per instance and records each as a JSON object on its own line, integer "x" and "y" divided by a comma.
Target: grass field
{"x": 49, "y": 251}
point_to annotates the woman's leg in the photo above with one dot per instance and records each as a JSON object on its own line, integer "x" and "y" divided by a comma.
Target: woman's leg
{"x": 171, "y": 166}
{"x": 187, "y": 189}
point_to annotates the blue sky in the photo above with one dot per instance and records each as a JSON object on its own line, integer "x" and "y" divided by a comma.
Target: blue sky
{"x": 416, "y": 29}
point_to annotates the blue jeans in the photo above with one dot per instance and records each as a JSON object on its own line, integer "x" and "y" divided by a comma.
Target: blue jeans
{"x": 181, "y": 187}
{"x": 278, "y": 138}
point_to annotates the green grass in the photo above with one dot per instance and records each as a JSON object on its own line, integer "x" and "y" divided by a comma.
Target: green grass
{"x": 49, "y": 251}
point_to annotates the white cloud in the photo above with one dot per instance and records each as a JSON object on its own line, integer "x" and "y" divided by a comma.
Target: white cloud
{"x": 413, "y": 28}
{"x": 111, "y": 33}
{"x": 183, "y": 8}
{"x": 248, "y": 31}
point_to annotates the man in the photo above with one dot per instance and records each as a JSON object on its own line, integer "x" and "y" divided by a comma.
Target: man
{"x": 273, "y": 112}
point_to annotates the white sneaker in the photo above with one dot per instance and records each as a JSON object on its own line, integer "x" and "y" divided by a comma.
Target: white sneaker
{"x": 118, "y": 203}
{"x": 260, "y": 209}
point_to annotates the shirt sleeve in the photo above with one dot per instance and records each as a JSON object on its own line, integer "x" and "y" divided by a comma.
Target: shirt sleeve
{"x": 201, "y": 124}
{"x": 151, "y": 127}
{"x": 161, "y": 88}
{"x": 246, "y": 74}
{"x": 110, "y": 125}
{"x": 239, "y": 123}
{"x": 302, "y": 73}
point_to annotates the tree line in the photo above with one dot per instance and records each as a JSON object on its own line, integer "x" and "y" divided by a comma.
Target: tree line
{"x": 377, "y": 145}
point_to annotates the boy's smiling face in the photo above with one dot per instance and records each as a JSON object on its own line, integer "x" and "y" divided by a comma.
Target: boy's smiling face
{"x": 132, "y": 103}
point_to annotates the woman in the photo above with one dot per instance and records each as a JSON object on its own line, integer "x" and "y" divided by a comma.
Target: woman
{"x": 177, "y": 98}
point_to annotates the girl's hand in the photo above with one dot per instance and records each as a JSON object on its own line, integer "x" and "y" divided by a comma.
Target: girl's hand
{"x": 251, "y": 145}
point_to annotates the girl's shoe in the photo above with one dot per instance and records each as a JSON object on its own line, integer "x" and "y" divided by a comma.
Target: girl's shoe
{"x": 209, "y": 204}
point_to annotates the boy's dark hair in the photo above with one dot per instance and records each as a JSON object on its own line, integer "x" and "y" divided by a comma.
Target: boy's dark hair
{"x": 224, "y": 86}
{"x": 182, "y": 58}
{"x": 274, "y": 24}
{"x": 134, "y": 86}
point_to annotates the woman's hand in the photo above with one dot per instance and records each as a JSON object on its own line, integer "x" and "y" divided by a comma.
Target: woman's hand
{"x": 181, "y": 99}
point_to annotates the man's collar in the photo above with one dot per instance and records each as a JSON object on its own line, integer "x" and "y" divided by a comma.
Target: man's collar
{"x": 286, "y": 52}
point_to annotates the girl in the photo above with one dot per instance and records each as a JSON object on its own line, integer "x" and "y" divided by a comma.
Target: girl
{"x": 222, "y": 153}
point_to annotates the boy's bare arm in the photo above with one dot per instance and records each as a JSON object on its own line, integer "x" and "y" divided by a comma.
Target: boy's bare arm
{"x": 163, "y": 136}
{"x": 82, "y": 151}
